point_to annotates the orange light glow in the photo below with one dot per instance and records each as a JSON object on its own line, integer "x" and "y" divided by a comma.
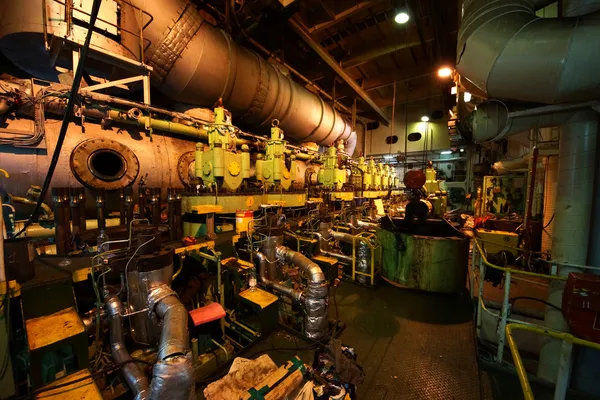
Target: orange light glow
{"x": 445, "y": 72}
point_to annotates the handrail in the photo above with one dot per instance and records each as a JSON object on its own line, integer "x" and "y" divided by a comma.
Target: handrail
{"x": 567, "y": 337}
{"x": 514, "y": 270}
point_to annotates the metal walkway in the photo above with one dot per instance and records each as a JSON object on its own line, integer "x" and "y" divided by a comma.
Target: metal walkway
{"x": 412, "y": 345}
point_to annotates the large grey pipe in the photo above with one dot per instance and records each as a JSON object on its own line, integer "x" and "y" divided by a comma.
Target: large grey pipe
{"x": 508, "y": 52}
{"x": 197, "y": 63}
{"x": 134, "y": 377}
{"x": 172, "y": 375}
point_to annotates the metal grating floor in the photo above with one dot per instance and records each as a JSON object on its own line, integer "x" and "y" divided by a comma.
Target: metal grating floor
{"x": 412, "y": 345}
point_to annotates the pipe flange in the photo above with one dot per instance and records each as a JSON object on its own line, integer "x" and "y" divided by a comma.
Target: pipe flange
{"x": 186, "y": 168}
{"x": 135, "y": 113}
{"x": 104, "y": 164}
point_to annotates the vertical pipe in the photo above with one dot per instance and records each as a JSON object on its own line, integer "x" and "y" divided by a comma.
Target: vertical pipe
{"x": 550, "y": 184}
{"x": 142, "y": 202}
{"x": 155, "y": 205}
{"x": 128, "y": 193}
{"x": 576, "y": 173}
{"x": 564, "y": 370}
{"x": 179, "y": 223}
{"x": 100, "y": 206}
{"x": 171, "y": 213}
{"x": 530, "y": 193}
{"x": 122, "y": 216}
{"x": 480, "y": 293}
{"x": 59, "y": 229}
{"x": 75, "y": 209}
{"x": 503, "y": 317}
{"x": 66, "y": 215}
{"x": 82, "y": 219}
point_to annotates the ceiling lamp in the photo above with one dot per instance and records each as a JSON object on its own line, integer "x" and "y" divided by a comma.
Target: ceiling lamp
{"x": 425, "y": 118}
{"x": 446, "y": 152}
{"x": 445, "y": 72}
{"x": 467, "y": 96}
{"x": 401, "y": 17}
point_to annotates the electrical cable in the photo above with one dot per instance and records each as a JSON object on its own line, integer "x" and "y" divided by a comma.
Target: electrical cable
{"x": 514, "y": 299}
{"x": 65, "y": 122}
{"x": 109, "y": 369}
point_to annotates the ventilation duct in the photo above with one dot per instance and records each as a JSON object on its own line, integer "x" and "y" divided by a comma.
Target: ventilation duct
{"x": 197, "y": 63}
{"x": 508, "y": 52}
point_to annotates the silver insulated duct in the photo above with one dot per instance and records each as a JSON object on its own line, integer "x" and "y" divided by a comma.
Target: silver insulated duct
{"x": 508, "y": 52}
{"x": 197, "y": 63}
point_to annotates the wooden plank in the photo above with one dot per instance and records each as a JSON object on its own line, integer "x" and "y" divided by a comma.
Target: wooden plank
{"x": 49, "y": 329}
{"x": 85, "y": 389}
{"x": 290, "y": 383}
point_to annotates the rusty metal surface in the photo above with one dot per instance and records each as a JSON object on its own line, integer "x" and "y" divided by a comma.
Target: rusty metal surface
{"x": 157, "y": 156}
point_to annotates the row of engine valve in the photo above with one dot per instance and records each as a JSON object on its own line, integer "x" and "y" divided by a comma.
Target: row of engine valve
{"x": 221, "y": 161}
{"x": 378, "y": 176}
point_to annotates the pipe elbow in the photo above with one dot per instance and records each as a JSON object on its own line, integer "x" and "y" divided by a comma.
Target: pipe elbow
{"x": 311, "y": 269}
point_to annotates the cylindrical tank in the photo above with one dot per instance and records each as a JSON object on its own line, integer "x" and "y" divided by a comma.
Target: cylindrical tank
{"x": 156, "y": 156}
{"x": 22, "y": 27}
{"x": 429, "y": 263}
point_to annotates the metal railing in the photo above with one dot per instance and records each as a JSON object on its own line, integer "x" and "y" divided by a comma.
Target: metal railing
{"x": 564, "y": 369}
{"x": 506, "y": 325}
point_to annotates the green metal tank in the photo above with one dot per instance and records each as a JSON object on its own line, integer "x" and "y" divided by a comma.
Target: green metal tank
{"x": 429, "y": 263}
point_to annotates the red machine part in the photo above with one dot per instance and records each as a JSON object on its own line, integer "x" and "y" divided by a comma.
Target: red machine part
{"x": 415, "y": 179}
{"x": 581, "y": 305}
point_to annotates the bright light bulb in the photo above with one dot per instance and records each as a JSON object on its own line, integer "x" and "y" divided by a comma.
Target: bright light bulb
{"x": 467, "y": 96}
{"x": 402, "y": 17}
{"x": 462, "y": 150}
{"x": 454, "y": 90}
{"x": 445, "y": 72}
{"x": 446, "y": 152}
{"x": 425, "y": 118}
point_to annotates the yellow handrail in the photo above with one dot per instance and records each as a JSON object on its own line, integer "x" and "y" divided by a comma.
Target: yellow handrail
{"x": 527, "y": 392}
{"x": 514, "y": 270}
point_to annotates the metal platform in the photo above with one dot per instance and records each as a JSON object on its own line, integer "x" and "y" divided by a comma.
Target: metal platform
{"x": 412, "y": 345}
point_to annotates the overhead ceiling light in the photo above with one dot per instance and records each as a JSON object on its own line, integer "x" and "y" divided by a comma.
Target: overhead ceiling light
{"x": 402, "y": 17}
{"x": 467, "y": 96}
{"x": 462, "y": 150}
{"x": 445, "y": 72}
{"x": 446, "y": 152}
{"x": 425, "y": 118}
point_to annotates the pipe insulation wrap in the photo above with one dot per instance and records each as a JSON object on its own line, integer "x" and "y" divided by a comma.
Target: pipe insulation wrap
{"x": 505, "y": 50}
{"x": 132, "y": 374}
{"x": 173, "y": 374}
{"x": 197, "y": 63}
{"x": 316, "y": 295}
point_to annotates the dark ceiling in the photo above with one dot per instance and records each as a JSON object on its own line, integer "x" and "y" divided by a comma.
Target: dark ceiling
{"x": 363, "y": 39}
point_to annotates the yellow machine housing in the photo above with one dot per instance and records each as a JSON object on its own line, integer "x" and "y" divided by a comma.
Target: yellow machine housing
{"x": 375, "y": 174}
{"x": 497, "y": 241}
{"x": 221, "y": 160}
{"x": 367, "y": 178}
{"x": 385, "y": 175}
{"x": 437, "y": 197}
{"x": 271, "y": 170}
{"x": 330, "y": 176}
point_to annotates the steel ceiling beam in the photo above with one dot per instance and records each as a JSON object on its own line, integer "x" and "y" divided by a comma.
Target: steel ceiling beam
{"x": 381, "y": 115}
{"x": 344, "y": 15}
{"x": 369, "y": 54}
